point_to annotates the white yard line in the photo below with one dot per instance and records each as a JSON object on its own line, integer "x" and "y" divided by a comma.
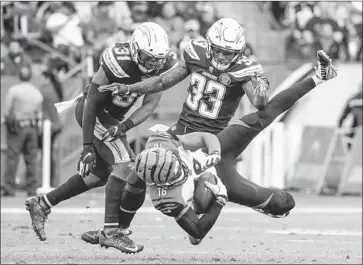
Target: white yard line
{"x": 150, "y": 210}
{"x": 316, "y": 232}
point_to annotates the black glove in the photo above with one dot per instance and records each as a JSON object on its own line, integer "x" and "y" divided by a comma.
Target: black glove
{"x": 115, "y": 132}
{"x": 87, "y": 159}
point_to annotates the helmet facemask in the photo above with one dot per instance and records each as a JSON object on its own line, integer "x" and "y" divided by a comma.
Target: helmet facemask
{"x": 147, "y": 62}
{"x": 222, "y": 58}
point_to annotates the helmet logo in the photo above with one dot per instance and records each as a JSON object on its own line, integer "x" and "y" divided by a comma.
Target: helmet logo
{"x": 225, "y": 79}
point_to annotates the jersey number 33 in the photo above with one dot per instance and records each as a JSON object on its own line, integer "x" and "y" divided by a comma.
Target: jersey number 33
{"x": 199, "y": 87}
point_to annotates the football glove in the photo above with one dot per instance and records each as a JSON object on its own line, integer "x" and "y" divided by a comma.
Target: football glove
{"x": 325, "y": 69}
{"x": 115, "y": 88}
{"x": 115, "y": 132}
{"x": 261, "y": 88}
{"x": 219, "y": 191}
{"x": 87, "y": 159}
{"x": 212, "y": 159}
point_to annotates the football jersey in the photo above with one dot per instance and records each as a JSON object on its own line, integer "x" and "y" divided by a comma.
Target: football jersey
{"x": 171, "y": 201}
{"x": 120, "y": 68}
{"x": 213, "y": 95}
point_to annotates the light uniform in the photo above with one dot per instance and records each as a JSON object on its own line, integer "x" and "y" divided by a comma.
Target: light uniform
{"x": 170, "y": 201}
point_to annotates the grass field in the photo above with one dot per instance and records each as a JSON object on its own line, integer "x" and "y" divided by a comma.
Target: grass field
{"x": 319, "y": 230}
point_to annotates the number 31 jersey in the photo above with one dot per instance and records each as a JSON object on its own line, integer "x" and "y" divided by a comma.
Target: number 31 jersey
{"x": 120, "y": 68}
{"x": 213, "y": 95}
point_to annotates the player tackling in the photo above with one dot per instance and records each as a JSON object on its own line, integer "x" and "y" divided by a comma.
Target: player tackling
{"x": 234, "y": 139}
{"x": 106, "y": 155}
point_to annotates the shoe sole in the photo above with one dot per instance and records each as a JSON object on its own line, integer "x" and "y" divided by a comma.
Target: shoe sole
{"x": 28, "y": 208}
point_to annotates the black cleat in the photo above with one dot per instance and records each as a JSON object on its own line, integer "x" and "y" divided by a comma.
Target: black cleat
{"x": 92, "y": 236}
{"x": 120, "y": 241}
{"x": 325, "y": 69}
{"x": 39, "y": 216}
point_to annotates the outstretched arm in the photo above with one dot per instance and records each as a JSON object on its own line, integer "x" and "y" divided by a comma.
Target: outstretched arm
{"x": 153, "y": 84}
{"x": 162, "y": 82}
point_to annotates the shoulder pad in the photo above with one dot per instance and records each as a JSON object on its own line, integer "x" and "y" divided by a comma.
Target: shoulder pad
{"x": 116, "y": 59}
{"x": 193, "y": 49}
{"x": 246, "y": 67}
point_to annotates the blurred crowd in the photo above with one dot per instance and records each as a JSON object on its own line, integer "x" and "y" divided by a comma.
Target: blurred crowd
{"x": 335, "y": 27}
{"x": 69, "y": 27}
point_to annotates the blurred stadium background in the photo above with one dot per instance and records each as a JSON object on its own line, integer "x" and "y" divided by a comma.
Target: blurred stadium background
{"x": 305, "y": 150}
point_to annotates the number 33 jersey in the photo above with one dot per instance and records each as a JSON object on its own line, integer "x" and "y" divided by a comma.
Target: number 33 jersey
{"x": 213, "y": 95}
{"x": 172, "y": 201}
{"x": 120, "y": 68}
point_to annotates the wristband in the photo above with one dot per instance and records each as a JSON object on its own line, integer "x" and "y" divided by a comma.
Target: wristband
{"x": 215, "y": 152}
{"x": 128, "y": 124}
{"x": 85, "y": 144}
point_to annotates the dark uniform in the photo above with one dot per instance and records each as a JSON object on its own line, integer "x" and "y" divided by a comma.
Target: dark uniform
{"x": 119, "y": 68}
{"x": 214, "y": 95}
{"x": 234, "y": 140}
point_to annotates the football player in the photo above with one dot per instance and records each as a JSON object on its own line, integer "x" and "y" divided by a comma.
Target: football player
{"x": 169, "y": 166}
{"x": 234, "y": 139}
{"x": 220, "y": 76}
{"x": 105, "y": 156}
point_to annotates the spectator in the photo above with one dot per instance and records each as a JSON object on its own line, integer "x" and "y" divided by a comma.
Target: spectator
{"x": 300, "y": 14}
{"x": 100, "y": 27}
{"x": 22, "y": 111}
{"x": 139, "y": 14}
{"x": 323, "y": 32}
{"x": 63, "y": 24}
{"x": 173, "y": 24}
{"x": 208, "y": 15}
{"x": 186, "y": 10}
{"x": 191, "y": 28}
{"x": 13, "y": 57}
{"x": 353, "y": 107}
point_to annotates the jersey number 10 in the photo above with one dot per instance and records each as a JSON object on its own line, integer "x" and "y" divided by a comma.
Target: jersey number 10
{"x": 199, "y": 87}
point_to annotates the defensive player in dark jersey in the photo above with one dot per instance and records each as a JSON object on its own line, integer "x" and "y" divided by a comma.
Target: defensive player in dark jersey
{"x": 106, "y": 155}
{"x": 235, "y": 138}
{"x": 220, "y": 76}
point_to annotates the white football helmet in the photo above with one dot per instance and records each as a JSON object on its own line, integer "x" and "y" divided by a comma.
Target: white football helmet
{"x": 226, "y": 43}
{"x": 150, "y": 47}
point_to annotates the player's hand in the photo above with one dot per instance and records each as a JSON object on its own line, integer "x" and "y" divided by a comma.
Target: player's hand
{"x": 114, "y": 132}
{"x": 219, "y": 190}
{"x": 87, "y": 160}
{"x": 115, "y": 88}
{"x": 212, "y": 159}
